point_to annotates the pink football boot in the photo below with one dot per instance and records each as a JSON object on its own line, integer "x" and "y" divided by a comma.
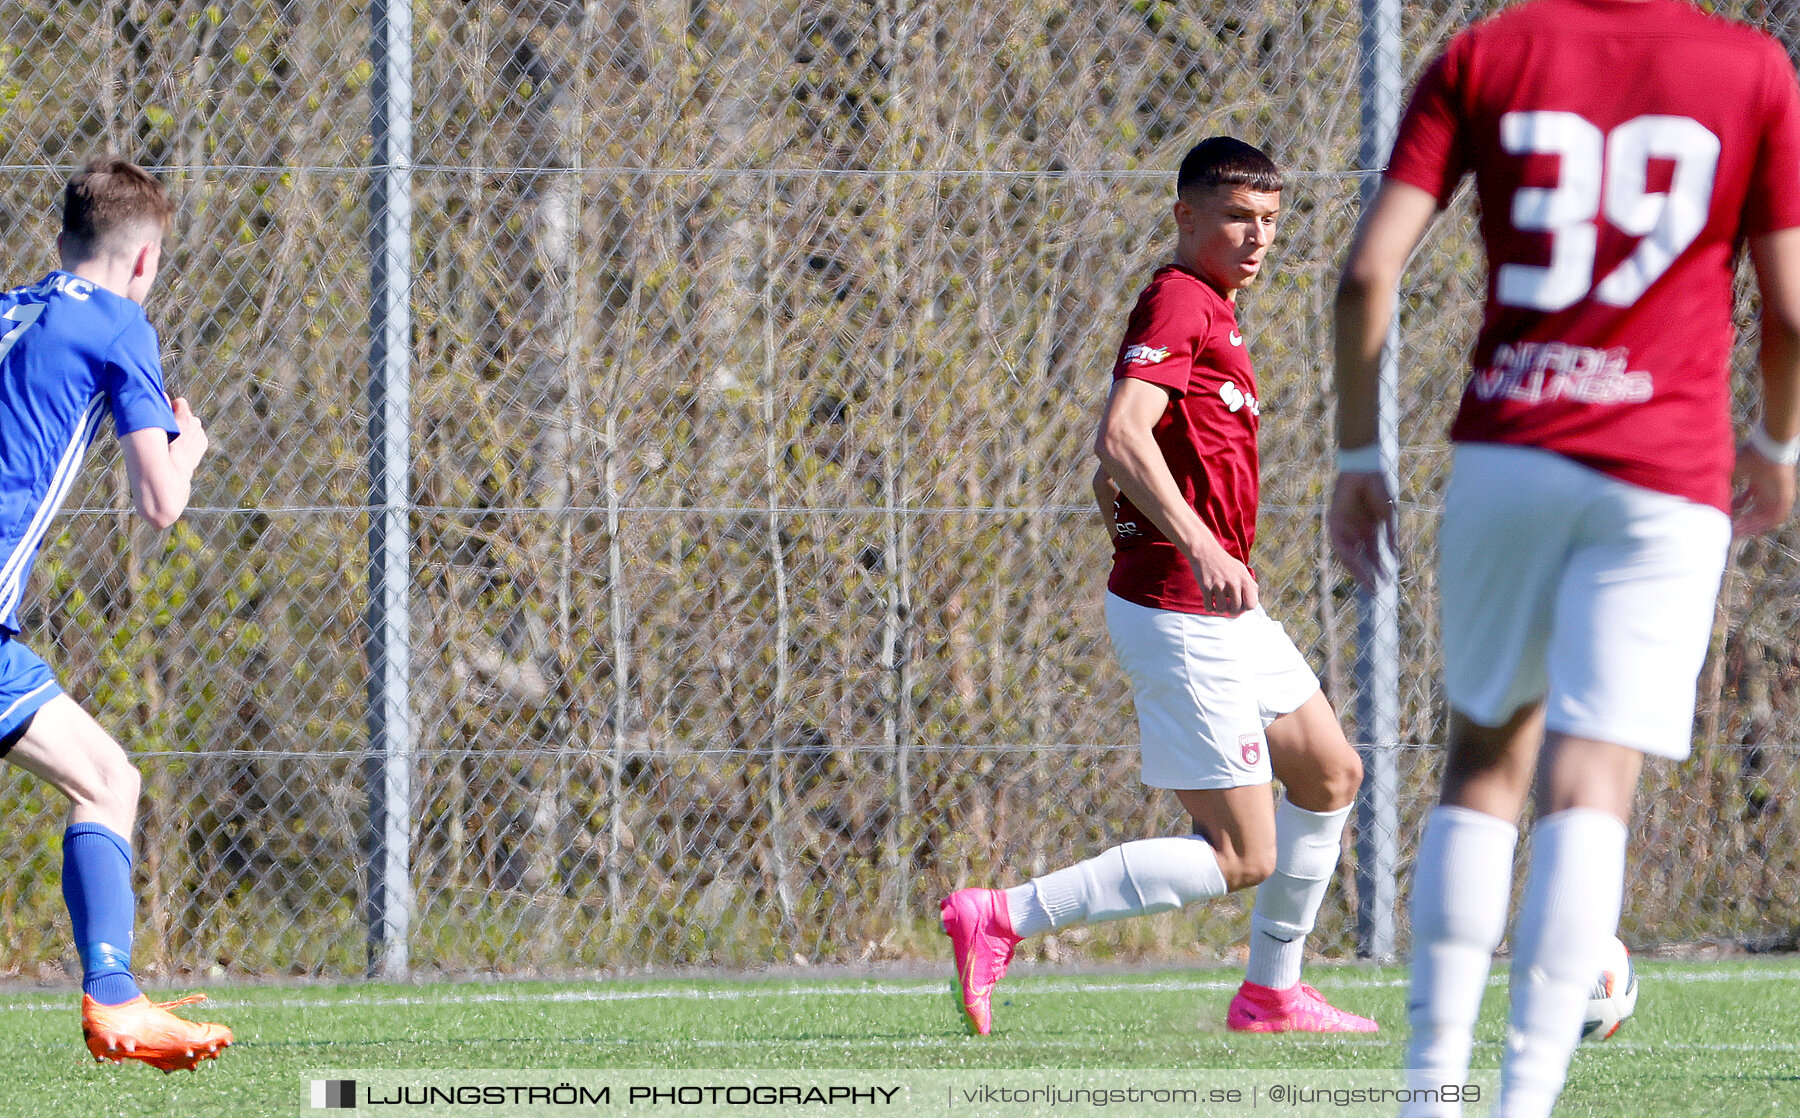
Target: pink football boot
{"x": 980, "y": 931}
{"x": 1300, "y": 1009}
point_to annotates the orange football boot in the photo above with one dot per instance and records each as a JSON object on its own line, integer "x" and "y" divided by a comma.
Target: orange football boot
{"x": 141, "y": 1029}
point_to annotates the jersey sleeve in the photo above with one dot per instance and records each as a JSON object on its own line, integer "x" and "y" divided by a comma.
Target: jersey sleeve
{"x": 1773, "y": 203}
{"x": 1431, "y": 148}
{"x": 1162, "y": 338}
{"x": 134, "y": 383}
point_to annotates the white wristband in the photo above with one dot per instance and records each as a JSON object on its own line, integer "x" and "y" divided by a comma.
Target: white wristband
{"x": 1360, "y": 460}
{"x": 1786, "y": 453}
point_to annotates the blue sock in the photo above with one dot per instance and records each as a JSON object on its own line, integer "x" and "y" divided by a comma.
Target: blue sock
{"x": 97, "y": 889}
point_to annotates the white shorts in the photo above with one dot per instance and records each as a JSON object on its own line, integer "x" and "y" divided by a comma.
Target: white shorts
{"x": 1205, "y": 688}
{"x": 1564, "y": 584}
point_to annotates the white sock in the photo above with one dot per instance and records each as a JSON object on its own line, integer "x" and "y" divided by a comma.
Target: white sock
{"x": 1029, "y": 917}
{"x": 1573, "y": 892}
{"x": 1462, "y": 885}
{"x": 1307, "y": 844}
{"x": 1135, "y": 879}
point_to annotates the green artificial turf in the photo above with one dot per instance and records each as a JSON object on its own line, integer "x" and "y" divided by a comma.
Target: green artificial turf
{"x": 1709, "y": 1038}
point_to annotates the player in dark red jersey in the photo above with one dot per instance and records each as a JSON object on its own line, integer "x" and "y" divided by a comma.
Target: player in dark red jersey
{"x": 1223, "y": 697}
{"x": 1623, "y": 151}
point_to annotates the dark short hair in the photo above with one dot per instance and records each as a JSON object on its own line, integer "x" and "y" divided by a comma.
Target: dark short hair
{"x": 1225, "y": 161}
{"x": 109, "y": 200}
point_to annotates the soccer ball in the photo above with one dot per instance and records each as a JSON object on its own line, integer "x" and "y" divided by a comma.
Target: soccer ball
{"x": 1614, "y": 995}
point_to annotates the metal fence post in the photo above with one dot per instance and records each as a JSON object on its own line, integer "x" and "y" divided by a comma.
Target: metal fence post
{"x": 1378, "y": 612}
{"x": 389, "y": 767}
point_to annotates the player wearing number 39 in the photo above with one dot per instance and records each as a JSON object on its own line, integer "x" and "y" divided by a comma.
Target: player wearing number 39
{"x": 1224, "y": 699}
{"x": 77, "y": 348}
{"x": 1623, "y": 151}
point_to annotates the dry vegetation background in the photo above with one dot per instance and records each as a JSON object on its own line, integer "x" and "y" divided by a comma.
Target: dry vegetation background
{"x": 758, "y": 347}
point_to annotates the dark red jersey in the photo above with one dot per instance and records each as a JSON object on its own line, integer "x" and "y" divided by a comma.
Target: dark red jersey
{"x": 1622, "y": 152}
{"x": 1183, "y": 335}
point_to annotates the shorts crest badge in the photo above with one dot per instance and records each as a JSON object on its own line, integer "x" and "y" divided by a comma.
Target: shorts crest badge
{"x": 1250, "y": 746}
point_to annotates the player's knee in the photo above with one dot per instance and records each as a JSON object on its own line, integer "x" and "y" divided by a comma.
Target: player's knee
{"x": 118, "y": 788}
{"x": 1254, "y": 871}
{"x": 1330, "y": 781}
{"x": 1342, "y": 776}
{"x": 1246, "y": 869}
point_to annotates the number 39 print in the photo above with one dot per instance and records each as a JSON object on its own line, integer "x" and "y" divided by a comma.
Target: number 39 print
{"x": 1667, "y": 221}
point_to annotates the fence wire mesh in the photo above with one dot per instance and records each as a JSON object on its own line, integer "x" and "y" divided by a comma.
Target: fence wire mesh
{"x": 757, "y": 350}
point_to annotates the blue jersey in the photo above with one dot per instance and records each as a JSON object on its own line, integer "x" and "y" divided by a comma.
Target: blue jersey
{"x": 71, "y": 350}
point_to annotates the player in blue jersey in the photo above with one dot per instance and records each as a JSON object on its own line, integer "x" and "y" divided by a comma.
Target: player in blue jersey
{"x": 77, "y": 347}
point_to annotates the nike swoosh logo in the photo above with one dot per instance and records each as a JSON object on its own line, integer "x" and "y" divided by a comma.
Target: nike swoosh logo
{"x": 1237, "y": 338}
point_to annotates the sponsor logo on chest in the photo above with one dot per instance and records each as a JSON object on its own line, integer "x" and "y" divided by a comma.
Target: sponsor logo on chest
{"x": 1236, "y": 399}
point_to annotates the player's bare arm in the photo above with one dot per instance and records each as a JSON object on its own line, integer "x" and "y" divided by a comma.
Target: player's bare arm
{"x": 161, "y": 469}
{"x": 1127, "y": 449}
{"x": 1765, "y": 486}
{"x": 1362, "y": 509}
{"x": 1106, "y": 496}
{"x": 115, "y": 215}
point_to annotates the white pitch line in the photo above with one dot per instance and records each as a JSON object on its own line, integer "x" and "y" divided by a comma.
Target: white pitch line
{"x": 1688, "y": 1046}
{"x": 936, "y": 1042}
{"x": 1088, "y": 1044}
{"x": 1769, "y": 974}
{"x": 1083, "y": 1044}
{"x": 1026, "y": 987}
{"x": 933, "y": 989}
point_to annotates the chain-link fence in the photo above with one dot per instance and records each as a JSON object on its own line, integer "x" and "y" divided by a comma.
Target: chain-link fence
{"x": 756, "y": 354}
